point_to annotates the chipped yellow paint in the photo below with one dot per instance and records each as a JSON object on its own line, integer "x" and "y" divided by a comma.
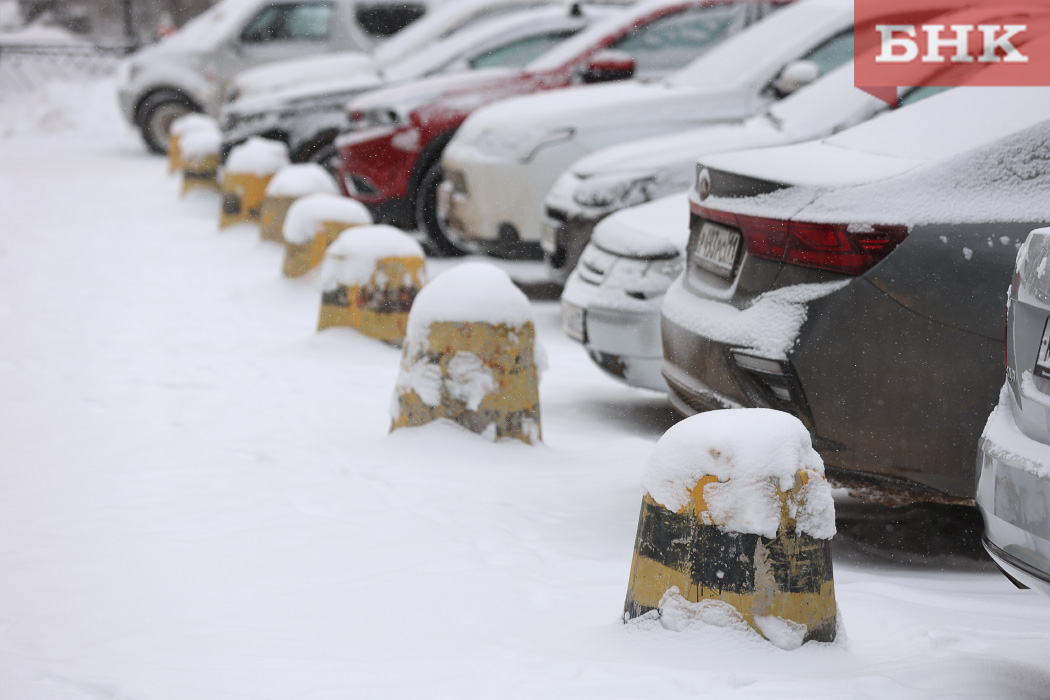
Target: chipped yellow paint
{"x": 801, "y": 559}
{"x": 300, "y": 258}
{"x": 175, "y": 163}
{"x": 387, "y": 322}
{"x": 512, "y": 409}
{"x": 242, "y": 197}
{"x": 271, "y": 218}
{"x": 201, "y": 172}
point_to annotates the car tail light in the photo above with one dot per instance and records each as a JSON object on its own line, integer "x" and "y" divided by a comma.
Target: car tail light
{"x": 851, "y": 250}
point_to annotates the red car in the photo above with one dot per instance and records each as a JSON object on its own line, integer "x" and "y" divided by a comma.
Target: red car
{"x": 391, "y": 153}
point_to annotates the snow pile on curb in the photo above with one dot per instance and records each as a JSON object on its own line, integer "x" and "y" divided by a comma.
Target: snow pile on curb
{"x": 751, "y": 452}
{"x": 66, "y": 108}
{"x": 301, "y": 179}
{"x": 191, "y": 122}
{"x": 258, "y": 156}
{"x": 308, "y": 213}
{"x": 352, "y": 260}
{"x": 474, "y": 292}
{"x": 200, "y": 142}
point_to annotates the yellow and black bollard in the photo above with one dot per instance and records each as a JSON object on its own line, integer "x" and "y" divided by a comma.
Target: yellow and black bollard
{"x": 179, "y": 128}
{"x": 199, "y": 153}
{"x": 371, "y": 277}
{"x": 473, "y": 363}
{"x": 313, "y": 223}
{"x": 737, "y": 509}
{"x": 289, "y": 184}
{"x": 248, "y": 171}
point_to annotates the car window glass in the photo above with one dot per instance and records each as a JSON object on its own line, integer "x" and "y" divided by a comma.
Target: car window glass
{"x": 833, "y": 53}
{"x": 675, "y": 40}
{"x": 290, "y": 22}
{"x": 518, "y": 53}
{"x": 921, "y": 93}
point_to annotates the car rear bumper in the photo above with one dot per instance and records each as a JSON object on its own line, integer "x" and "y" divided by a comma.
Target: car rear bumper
{"x": 1013, "y": 494}
{"x": 624, "y": 342}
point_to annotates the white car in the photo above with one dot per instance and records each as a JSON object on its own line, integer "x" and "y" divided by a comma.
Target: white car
{"x": 611, "y": 304}
{"x": 497, "y": 193}
{"x": 308, "y": 110}
{"x": 190, "y": 70}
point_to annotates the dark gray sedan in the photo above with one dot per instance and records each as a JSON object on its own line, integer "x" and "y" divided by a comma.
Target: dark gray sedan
{"x": 858, "y": 282}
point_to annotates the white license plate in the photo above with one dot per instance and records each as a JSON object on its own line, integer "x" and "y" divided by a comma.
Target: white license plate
{"x": 549, "y": 238}
{"x": 1042, "y": 360}
{"x": 717, "y": 248}
{"x": 574, "y": 322}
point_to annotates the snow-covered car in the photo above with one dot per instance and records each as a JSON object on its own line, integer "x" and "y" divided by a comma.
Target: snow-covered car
{"x": 504, "y": 160}
{"x": 856, "y": 282}
{"x": 308, "y": 114}
{"x": 611, "y": 304}
{"x": 1013, "y": 488}
{"x": 190, "y": 70}
{"x": 391, "y": 153}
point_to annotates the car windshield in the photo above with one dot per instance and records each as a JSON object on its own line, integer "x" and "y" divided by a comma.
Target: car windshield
{"x": 444, "y": 22}
{"x": 432, "y": 58}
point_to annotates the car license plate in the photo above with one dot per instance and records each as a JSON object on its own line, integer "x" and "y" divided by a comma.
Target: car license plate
{"x": 1042, "y": 360}
{"x": 717, "y": 248}
{"x": 574, "y": 322}
{"x": 549, "y": 238}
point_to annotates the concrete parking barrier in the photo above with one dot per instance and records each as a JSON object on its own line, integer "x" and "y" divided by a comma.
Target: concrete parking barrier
{"x": 471, "y": 356}
{"x": 180, "y": 127}
{"x": 248, "y": 171}
{"x": 313, "y": 223}
{"x": 737, "y": 509}
{"x": 371, "y": 276}
{"x": 290, "y": 183}
{"x": 199, "y": 154}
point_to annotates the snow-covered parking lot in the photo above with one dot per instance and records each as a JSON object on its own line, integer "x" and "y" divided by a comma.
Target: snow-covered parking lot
{"x": 200, "y": 499}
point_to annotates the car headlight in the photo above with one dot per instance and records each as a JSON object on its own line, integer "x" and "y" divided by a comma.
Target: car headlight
{"x": 375, "y": 118}
{"x": 615, "y": 191}
{"x": 521, "y": 146}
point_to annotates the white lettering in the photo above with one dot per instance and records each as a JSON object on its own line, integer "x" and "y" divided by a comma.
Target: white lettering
{"x": 935, "y": 42}
{"x": 991, "y": 44}
{"x": 891, "y": 43}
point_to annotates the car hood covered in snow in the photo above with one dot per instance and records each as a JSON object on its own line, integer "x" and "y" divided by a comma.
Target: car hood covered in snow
{"x": 433, "y": 88}
{"x": 657, "y": 229}
{"x": 999, "y": 139}
{"x": 304, "y": 73}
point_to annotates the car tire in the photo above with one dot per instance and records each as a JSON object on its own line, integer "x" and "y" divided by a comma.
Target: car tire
{"x": 157, "y": 113}
{"x": 327, "y": 157}
{"x": 427, "y": 218}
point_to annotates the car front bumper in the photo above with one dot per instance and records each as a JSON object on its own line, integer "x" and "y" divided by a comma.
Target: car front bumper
{"x": 1013, "y": 494}
{"x": 128, "y": 101}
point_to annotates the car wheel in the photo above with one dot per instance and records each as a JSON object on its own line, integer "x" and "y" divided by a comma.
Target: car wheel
{"x": 427, "y": 215}
{"x": 156, "y": 115}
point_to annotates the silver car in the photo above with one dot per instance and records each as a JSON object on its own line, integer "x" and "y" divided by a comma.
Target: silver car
{"x": 1013, "y": 485}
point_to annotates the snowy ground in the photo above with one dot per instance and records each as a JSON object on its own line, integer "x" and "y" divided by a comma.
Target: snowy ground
{"x": 200, "y": 499}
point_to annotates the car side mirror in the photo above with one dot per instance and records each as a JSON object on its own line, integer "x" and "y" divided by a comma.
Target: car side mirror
{"x": 796, "y": 75}
{"x": 608, "y": 65}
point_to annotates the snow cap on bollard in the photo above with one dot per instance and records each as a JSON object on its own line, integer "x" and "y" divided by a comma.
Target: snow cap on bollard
{"x": 737, "y": 509}
{"x": 199, "y": 153}
{"x": 471, "y": 356}
{"x": 247, "y": 173}
{"x": 313, "y": 223}
{"x": 370, "y": 280}
{"x": 180, "y": 127}
{"x": 289, "y": 184}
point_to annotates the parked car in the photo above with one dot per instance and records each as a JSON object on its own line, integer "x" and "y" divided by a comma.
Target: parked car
{"x": 611, "y": 304}
{"x": 1013, "y": 488}
{"x": 853, "y": 281}
{"x": 495, "y": 194}
{"x": 391, "y": 154}
{"x": 189, "y": 70}
{"x": 308, "y": 114}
